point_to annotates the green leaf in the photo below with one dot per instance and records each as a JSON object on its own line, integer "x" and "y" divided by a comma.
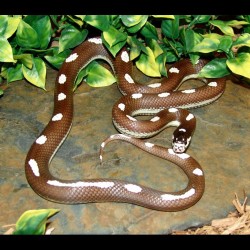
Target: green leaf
{"x": 3, "y": 24}
{"x": 135, "y": 47}
{"x": 161, "y": 61}
{"x": 42, "y": 25}
{"x": 243, "y": 40}
{"x": 113, "y": 36}
{"x": 222, "y": 25}
{"x": 163, "y": 16}
{"x": 13, "y": 23}
{"x": 71, "y": 37}
{"x": 206, "y": 45}
{"x": 33, "y": 222}
{"x": 37, "y": 74}
{"x": 6, "y": 54}
{"x": 170, "y": 28}
{"x": 57, "y": 59}
{"x": 101, "y": 22}
{"x": 191, "y": 39}
{"x": 225, "y": 44}
{"x": 236, "y": 23}
{"x": 149, "y": 31}
{"x": 215, "y": 69}
{"x": 26, "y": 59}
{"x": 240, "y": 65}
{"x": 1, "y": 92}
{"x": 155, "y": 47}
{"x": 26, "y": 36}
{"x": 114, "y": 40}
{"x": 131, "y": 20}
{"x": 14, "y": 73}
{"x": 98, "y": 76}
{"x": 147, "y": 64}
{"x": 200, "y": 19}
{"x": 135, "y": 28}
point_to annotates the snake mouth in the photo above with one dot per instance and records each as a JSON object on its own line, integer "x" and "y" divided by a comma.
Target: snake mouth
{"x": 179, "y": 147}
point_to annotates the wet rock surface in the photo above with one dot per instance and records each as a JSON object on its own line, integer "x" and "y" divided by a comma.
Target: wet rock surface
{"x": 220, "y": 144}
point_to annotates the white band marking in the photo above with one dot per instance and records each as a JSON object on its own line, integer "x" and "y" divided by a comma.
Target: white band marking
{"x": 154, "y": 85}
{"x": 165, "y": 94}
{"x": 125, "y": 56}
{"x": 61, "y": 96}
{"x": 121, "y": 106}
{"x": 57, "y": 117}
{"x": 171, "y": 197}
{"x": 41, "y": 140}
{"x": 188, "y": 91}
{"x": 34, "y": 167}
{"x": 172, "y": 110}
{"x": 198, "y": 171}
{"x": 71, "y": 58}
{"x": 62, "y": 79}
{"x": 129, "y": 78}
{"x": 100, "y": 184}
{"x": 174, "y": 70}
{"x": 149, "y": 145}
{"x": 212, "y": 84}
{"x": 133, "y": 188}
{"x": 189, "y": 117}
{"x": 136, "y": 95}
{"x": 155, "y": 119}
{"x": 95, "y": 40}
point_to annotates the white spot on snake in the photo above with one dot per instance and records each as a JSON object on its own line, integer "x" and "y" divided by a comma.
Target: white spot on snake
{"x": 188, "y": 91}
{"x": 155, "y": 119}
{"x": 100, "y": 184}
{"x": 189, "y": 117}
{"x": 182, "y": 129}
{"x": 131, "y": 118}
{"x": 182, "y": 156}
{"x": 125, "y": 56}
{"x": 71, "y": 58}
{"x": 121, "y": 106}
{"x": 171, "y": 197}
{"x": 171, "y": 151}
{"x": 34, "y": 167}
{"x": 103, "y": 145}
{"x": 62, "y": 79}
{"x": 57, "y": 117}
{"x": 164, "y": 94}
{"x": 101, "y": 157}
{"x": 136, "y": 95}
{"x": 172, "y": 110}
{"x": 198, "y": 171}
{"x": 212, "y": 84}
{"x": 149, "y": 145}
{"x": 61, "y": 96}
{"x": 133, "y": 188}
{"x": 41, "y": 140}
{"x": 174, "y": 70}
{"x": 154, "y": 85}
{"x": 95, "y": 40}
{"x": 129, "y": 78}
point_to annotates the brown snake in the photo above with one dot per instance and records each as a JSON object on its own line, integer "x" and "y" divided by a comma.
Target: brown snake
{"x": 160, "y": 99}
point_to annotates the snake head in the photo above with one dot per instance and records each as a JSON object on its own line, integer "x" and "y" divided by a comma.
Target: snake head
{"x": 180, "y": 143}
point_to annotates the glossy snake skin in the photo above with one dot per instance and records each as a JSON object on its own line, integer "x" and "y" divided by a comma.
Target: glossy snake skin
{"x": 162, "y": 100}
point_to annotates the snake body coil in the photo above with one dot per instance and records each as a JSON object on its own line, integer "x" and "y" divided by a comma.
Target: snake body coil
{"x": 159, "y": 99}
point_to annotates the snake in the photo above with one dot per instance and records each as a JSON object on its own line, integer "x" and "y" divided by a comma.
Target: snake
{"x": 163, "y": 101}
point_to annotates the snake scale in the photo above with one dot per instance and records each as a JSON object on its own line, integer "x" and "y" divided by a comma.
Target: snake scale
{"x": 162, "y": 100}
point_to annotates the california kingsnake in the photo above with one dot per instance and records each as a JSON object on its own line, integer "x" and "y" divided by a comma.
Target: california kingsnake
{"x": 162, "y": 100}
